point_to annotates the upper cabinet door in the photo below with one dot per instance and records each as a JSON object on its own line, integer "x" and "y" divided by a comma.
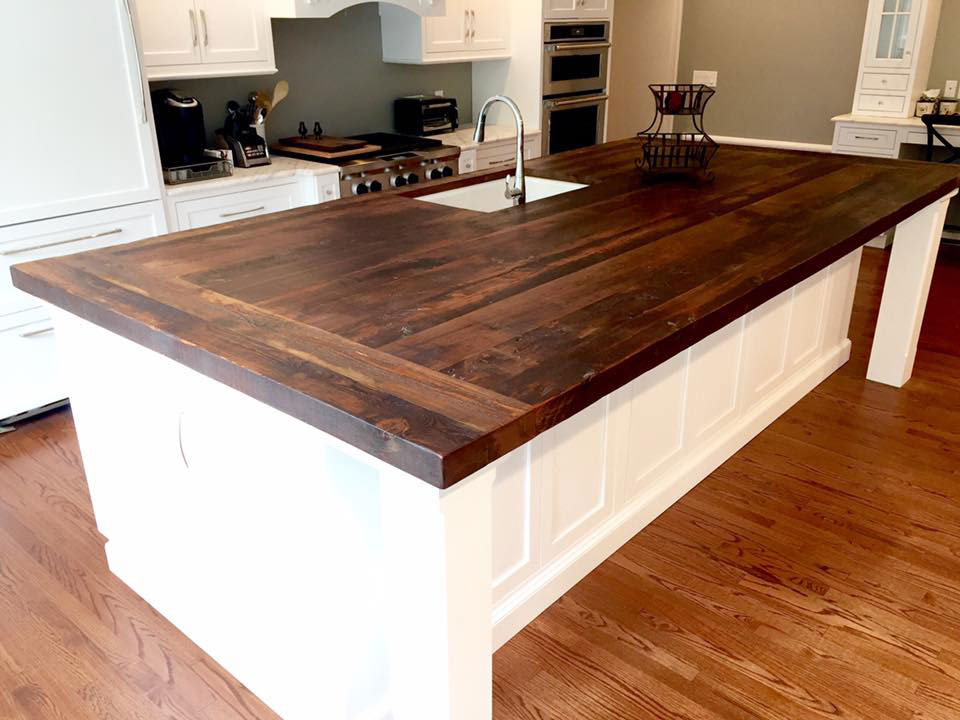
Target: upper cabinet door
{"x": 169, "y": 32}
{"x": 449, "y": 32}
{"x": 576, "y": 9}
{"x": 80, "y": 138}
{"x": 489, "y": 25}
{"x": 893, "y": 30}
{"x": 233, "y": 30}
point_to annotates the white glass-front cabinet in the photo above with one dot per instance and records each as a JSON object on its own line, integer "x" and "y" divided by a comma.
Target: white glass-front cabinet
{"x": 893, "y": 29}
{"x": 576, "y": 9}
{"x": 895, "y": 58}
{"x": 468, "y": 30}
{"x": 205, "y": 38}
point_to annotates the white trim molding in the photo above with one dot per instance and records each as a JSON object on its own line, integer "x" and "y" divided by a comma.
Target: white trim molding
{"x": 777, "y": 144}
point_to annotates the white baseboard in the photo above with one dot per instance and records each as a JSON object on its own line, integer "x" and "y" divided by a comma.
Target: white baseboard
{"x": 778, "y": 144}
{"x": 521, "y": 606}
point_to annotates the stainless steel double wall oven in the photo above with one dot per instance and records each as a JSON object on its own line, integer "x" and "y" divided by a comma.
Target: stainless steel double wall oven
{"x": 575, "y": 64}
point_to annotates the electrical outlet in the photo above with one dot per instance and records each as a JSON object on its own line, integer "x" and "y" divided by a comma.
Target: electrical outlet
{"x": 950, "y": 89}
{"x": 705, "y": 77}
{"x": 438, "y": 93}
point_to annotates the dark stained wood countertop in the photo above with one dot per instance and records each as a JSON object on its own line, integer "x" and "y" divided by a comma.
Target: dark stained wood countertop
{"x": 440, "y": 339}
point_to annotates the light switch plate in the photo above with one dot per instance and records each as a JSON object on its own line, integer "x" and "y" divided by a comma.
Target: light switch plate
{"x": 705, "y": 77}
{"x": 950, "y": 89}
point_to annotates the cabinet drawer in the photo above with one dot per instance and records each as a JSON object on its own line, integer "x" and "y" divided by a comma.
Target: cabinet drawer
{"x": 203, "y": 212}
{"x": 31, "y": 371}
{"x": 71, "y": 234}
{"x": 884, "y": 81}
{"x": 882, "y": 103}
{"x": 870, "y": 139}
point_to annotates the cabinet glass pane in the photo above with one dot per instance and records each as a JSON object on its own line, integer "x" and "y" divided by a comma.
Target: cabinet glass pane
{"x": 904, "y": 5}
{"x": 900, "y": 36}
{"x": 889, "y": 5}
{"x": 886, "y": 35}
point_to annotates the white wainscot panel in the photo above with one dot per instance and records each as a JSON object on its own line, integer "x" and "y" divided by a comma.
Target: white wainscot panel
{"x": 842, "y": 283}
{"x": 806, "y": 321}
{"x": 712, "y": 383}
{"x": 765, "y": 347}
{"x": 516, "y": 513}
{"x": 577, "y": 492}
{"x": 653, "y": 424}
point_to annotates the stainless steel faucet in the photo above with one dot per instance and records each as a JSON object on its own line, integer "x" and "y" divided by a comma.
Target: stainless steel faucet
{"x": 517, "y": 189}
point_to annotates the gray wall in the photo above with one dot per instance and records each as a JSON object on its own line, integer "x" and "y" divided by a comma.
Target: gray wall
{"x": 946, "y": 53}
{"x": 336, "y": 76}
{"x": 785, "y": 66}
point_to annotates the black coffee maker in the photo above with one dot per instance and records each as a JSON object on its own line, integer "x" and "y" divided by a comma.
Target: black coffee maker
{"x": 182, "y": 138}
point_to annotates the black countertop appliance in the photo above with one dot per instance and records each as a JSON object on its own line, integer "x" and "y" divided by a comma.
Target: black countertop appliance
{"x": 425, "y": 115}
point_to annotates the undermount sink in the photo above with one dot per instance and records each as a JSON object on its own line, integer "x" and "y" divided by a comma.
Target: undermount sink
{"x": 489, "y": 196}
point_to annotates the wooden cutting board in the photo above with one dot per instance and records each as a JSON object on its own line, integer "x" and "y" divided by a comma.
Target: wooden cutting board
{"x": 324, "y": 143}
{"x": 311, "y": 153}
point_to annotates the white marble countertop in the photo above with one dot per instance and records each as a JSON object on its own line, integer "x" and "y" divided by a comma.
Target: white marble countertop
{"x": 280, "y": 167}
{"x": 463, "y": 137}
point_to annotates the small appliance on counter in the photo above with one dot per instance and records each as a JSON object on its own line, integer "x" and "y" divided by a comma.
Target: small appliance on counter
{"x": 244, "y": 132}
{"x": 425, "y": 115}
{"x": 182, "y": 139}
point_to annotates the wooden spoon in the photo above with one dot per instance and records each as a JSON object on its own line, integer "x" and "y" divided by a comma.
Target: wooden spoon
{"x": 280, "y": 91}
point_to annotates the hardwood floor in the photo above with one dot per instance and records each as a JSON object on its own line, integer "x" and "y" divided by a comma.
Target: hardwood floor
{"x": 815, "y": 574}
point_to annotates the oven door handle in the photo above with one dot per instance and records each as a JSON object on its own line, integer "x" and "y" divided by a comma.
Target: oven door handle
{"x": 576, "y": 101}
{"x": 578, "y": 46}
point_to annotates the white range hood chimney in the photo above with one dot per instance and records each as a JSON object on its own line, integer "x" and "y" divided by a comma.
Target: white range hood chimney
{"x": 326, "y": 8}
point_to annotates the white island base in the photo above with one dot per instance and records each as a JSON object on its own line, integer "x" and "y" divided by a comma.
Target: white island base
{"x": 337, "y": 587}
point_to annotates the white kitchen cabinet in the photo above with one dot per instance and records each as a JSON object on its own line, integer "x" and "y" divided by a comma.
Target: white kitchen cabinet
{"x": 489, "y": 27}
{"x": 449, "y": 32}
{"x": 242, "y": 198}
{"x": 892, "y": 30}
{"x": 504, "y": 152}
{"x": 80, "y": 137}
{"x": 202, "y": 212}
{"x": 205, "y": 38}
{"x": 895, "y": 57}
{"x": 577, "y": 9}
{"x": 30, "y": 376}
{"x": 468, "y": 30}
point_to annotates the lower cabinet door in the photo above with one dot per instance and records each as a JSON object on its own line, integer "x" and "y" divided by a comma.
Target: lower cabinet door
{"x": 31, "y": 371}
{"x": 29, "y": 366}
{"x": 203, "y": 212}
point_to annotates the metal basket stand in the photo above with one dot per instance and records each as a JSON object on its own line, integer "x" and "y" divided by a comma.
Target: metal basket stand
{"x": 672, "y": 154}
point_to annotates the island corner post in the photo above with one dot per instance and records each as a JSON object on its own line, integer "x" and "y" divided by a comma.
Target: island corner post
{"x": 334, "y": 584}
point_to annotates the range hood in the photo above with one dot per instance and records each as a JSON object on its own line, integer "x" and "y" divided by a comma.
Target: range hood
{"x": 326, "y": 8}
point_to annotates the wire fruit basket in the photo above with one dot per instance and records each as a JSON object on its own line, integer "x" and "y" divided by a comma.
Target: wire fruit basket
{"x": 678, "y": 153}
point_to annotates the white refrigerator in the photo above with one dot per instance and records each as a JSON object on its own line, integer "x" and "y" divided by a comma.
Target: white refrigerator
{"x": 78, "y": 165}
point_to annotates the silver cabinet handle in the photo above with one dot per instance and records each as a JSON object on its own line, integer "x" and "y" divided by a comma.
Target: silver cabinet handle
{"x": 466, "y": 24}
{"x": 115, "y": 231}
{"x": 206, "y": 32}
{"x": 242, "y": 212}
{"x": 866, "y": 137}
{"x": 34, "y": 333}
{"x": 136, "y": 46}
{"x": 473, "y": 24}
{"x": 577, "y": 101}
{"x": 193, "y": 27}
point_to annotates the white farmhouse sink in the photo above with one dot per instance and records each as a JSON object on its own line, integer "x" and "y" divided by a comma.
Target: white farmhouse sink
{"x": 489, "y": 196}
